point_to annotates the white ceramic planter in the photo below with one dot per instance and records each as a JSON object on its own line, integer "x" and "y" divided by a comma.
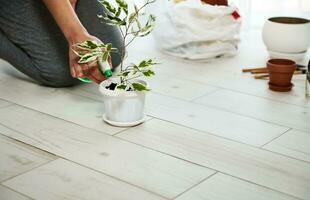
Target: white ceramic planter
{"x": 287, "y": 36}
{"x": 122, "y": 108}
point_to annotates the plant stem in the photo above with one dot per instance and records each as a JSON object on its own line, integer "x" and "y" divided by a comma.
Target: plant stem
{"x": 133, "y": 78}
{"x": 125, "y": 35}
{"x": 130, "y": 41}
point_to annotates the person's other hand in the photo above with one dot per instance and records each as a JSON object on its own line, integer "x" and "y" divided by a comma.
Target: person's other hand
{"x": 89, "y": 70}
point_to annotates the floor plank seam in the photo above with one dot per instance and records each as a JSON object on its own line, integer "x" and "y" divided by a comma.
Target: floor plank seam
{"x": 257, "y": 147}
{"x": 205, "y": 95}
{"x": 216, "y": 108}
{"x": 262, "y": 186}
{"x": 242, "y": 115}
{"x": 116, "y": 178}
{"x": 25, "y": 172}
{"x": 240, "y": 92}
{"x": 12, "y": 189}
{"x": 119, "y": 132}
{"x": 10, "y": 104}
{"x": 31, "y": 147}
{"x": 85, "y": 96}
{"x": 167, "y": 154}
{"x": 213, "y": 107}
{"x": 81, "y": 165}
{"x": 221, "y": 109}
{"x": 205, "y": 132}
{"x": 270, "y": 99}
{"x": 261, "y": 147}
{"x": 284, "y": 155}
{"x": 15, "y": 104}
{"x": 218, "y": 171}
{"x": 195, "y": 185}
{"x": 37, "y": 141}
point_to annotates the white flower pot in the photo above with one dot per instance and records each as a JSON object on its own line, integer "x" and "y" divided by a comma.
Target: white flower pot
{"x": 287, "y": 36}
{"x": 122, "y": 108}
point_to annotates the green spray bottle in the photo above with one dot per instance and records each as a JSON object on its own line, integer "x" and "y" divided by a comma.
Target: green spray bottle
{"x": 105, "y": 69}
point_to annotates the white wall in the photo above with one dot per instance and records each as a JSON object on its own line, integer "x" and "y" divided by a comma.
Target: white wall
{"x": 255, "y": 12}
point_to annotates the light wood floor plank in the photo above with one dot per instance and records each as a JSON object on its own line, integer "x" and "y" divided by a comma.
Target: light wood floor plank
{"x": 179, "y": 88}
{"x": 226, "y": 73}
{"x": 151, "y": 170}
{"x": 87, "y": 112}
{"x": 218, "y": 122}
{"x": 57, "y": 102}
{"x": 259, "y": 108}
{"x": 4, "y": 104}
{"x": 262, "y": 167}
{"x": 61, "y": 179}
{"x": 162, "y": 84}
{"x": 224, "y": 187}
{"x": 16, "y": 158}
{"x": 8, "y": 194}
{"x": 294, "y": 143}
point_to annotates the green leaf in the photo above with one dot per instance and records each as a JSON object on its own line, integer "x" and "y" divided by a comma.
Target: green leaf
{"x": 132, "y": 17}
{"x": 109, "y": 47}
{"x": 118, "y": 13}
{"x": 143, "y": 64}
{"x": 105, "y": 56}
{"x": 88, "y": 58}
{"x": 116, "y": 20}
{"x": 136, "y": 8}
{"x": 92, "y": 44}
{"x": 139, "y": 86}
{"x": 121, "y": 87}
{"x": 148, "y": 73}
{"x": 146, "y": 63}
{"x": 108, "y": 6}
{"x": 123, "y": 5}
{"x": 148, "y": 27}
{"x": 124, "y": 73}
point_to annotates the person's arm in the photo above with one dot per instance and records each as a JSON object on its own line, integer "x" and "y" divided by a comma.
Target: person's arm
{"x": 73, "y": 30}
{"x": 66, "y": 18}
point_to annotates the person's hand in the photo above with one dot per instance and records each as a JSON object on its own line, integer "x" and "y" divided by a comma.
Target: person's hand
{"x": 89, "y": 70}
{"x": 73, "y": 3}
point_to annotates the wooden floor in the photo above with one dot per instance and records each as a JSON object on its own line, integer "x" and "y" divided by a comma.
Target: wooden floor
{"x": 212, "y": 133}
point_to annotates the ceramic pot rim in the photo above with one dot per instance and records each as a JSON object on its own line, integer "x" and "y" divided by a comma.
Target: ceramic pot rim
{"x": 281, "y": 65}
{"x": 119, "y": 93}
{"x": 289, "y": 20}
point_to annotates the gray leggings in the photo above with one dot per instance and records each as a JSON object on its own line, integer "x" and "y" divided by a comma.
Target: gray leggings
{"x": 32, "y": 42}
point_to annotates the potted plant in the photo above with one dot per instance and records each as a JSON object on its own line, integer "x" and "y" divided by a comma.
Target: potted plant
{"x": 124, "y": 95}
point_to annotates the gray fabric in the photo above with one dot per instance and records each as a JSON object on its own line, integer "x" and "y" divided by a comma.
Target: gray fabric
{"x": 32, "y": 42}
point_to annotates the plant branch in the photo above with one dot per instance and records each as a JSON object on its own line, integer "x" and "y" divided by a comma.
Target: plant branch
{"x": 134, "y": 77}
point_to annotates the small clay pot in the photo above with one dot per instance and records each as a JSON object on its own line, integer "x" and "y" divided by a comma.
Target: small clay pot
{"x": 280, "y": 74}
{"x": 216, "y": 2}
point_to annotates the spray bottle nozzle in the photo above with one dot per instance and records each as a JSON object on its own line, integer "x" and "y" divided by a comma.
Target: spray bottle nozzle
{"x": 105, "y": 68}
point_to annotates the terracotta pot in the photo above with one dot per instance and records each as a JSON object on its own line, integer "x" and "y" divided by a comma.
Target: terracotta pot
{"x": 216, "y": 2}
{"x": 280, "y": 74}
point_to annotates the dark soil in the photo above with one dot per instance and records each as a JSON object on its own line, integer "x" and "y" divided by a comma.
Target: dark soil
{"x": 289, "y": 20}
{"x": 112, "y": 86}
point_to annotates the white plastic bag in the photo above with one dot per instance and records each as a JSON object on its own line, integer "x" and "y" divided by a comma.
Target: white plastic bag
{"x": 197, "y": 31}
